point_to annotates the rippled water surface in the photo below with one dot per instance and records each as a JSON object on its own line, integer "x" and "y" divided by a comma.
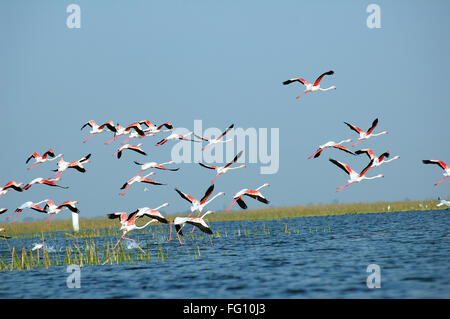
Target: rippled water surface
{"x": 321, "y": 257}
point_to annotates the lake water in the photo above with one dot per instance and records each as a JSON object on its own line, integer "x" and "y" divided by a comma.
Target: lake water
{"x": 327, "y": 257}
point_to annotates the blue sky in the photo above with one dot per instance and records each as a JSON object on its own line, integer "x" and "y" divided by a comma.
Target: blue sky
{"x": 223, "y": 62}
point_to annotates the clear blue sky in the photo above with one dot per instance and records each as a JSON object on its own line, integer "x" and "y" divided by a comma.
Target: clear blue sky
{"x": 223, "y": 62}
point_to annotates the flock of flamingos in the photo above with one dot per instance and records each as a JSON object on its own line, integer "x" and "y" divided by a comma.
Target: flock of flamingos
{"x": 145, "y": 128}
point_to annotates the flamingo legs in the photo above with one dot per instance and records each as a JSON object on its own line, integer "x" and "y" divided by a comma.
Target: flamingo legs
{"x": 216, "y": 178}
{"x": 125, "y": 190}
{"x": 441, "y": 180}
{"x": 231, "y": 205}
{"x": 359, "y": 140}
{"x": 338, "y": 189}
{"x": 178, "y": 234}
{"x": 89, "y": 137}
{"x": 307, "y": 91}
{"x": 17, "y": 215}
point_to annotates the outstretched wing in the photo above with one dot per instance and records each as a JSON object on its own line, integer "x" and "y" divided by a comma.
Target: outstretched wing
{"x": 374, "y": 124}
{"x": 207, "y": 193}
{"x": 440, "y": 163}
{"x": 235, "y": 158}
{"x": 302, "y": 81}
{"x": 355, "y": 128}
{"x": 208, "y": 166}
{"x": 343, "y": 166}
{"x": 225, "y": 132}
{"x": 186, "y": 196}
{"x": 321, "y": 76}
{"x": 364, "y": 171}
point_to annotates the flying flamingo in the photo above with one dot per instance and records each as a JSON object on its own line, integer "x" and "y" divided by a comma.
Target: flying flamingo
{"x": 31, "y": 205}
{"x": 332, "y": 144}
{"x": 138, "y": 179}
{"x": 377, "y": 161}
{"x": 365, "y": 135}
{"x": 253, "y": 193}
{"x": 444, "y": 166}
{"x": 40, "y": 180}
{"x": 354, "y": 177}
{"x": 443, "y": 202}
{"x": 153, "y": 213}
{"x": 311, "y": 87}
{"x": 217, "y": 139}
{"x": 147, "y": 165}
{"x": 199, "y": 204}
{"x": 128, "y": 223}
{"x": 78, "y": 165}
{"x": 10, "y": 185}
{"x": 96, "y": 129}
{"x": 52, "y": 210}
{"x": 199, "y": 222}
{"x": 175, "y": 136}
{"x": 150, "y": 130}
{"x": 223, "y": 169}
{"x": 136, "y": 148}
{"x": 42, "y": 159}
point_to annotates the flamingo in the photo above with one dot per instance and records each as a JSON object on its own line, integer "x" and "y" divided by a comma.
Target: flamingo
{"x": 52, "y": 210}
{"x": 31, "y": 205}
{"x": 199, "y": 222}
{"x": 175, "y": 136}
{"x": 78, "y": 165}
{"x": 365, "y": 135}
{"x": 129, "y": 223}
{"x": 377, "y": 161}
{"x": 199, "y": 204}
{"x": 148, "y": 165}
{"x": 42, "y": 159}
{"x": 138, "y": 179}
{"x": 150, "y": 130}
{"x": 217, "y": 139}
{"x": 40, "y": 180}
{"x": 354, "y": 177}
{"x": 96, "y": 129}
{"x": 311, "y": 87}
{"x": 332, "y": 144}
{"x": 444, "y": 166}
{"x": 11, "y": 185}
{"x": 153, "y": 213}
{"x": 120, "y": 131}
{"x": 223, "y": 169}
{"x": 253, "y": 193}
{"x": 137, "y": 148}
{"x": 443, "y": 202}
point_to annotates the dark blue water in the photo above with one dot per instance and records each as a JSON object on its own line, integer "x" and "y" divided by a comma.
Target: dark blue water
{"x": 411, "y": 248}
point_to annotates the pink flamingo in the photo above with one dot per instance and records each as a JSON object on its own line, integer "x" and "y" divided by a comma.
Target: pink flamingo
{"x": 199, "y": 222}
{"x": 354, "y": 177}
{"x": 78, "y": 165}
{"x": 40, "y": 180}
{"x": 96, "y": 129}
{"x": 253, "y": 193}
{"x": 31, "y": 205}
{"x": 311, "y": 87}
{"x": 223, "y": 169}
{"x": 138, "y": 179}
{"x": 136, "y": 148}
{"x": 217, "y": 139}
{"x": 42, "y": 159}
{"x": 11, "y": 185}
{"x": 442, "y": 165}
{"x": 377, "y": 161}
{"x": 332, "y": 144}
{"x": 365, "y": 135}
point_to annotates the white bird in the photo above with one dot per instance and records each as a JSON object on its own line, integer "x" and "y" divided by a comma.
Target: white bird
{"x": 332, "y": 144}
{"x": 365, "y": 135}
{"x": 96, "y": 129}
{"x": 354, "y": 177}
{"x": 309, "y": 86}
{"x": 11, "y": 185}
{"x": 138, "y": 179}
{"x": 199, "y": 204}
{"x": 42, "y": 159}
{"x": 199, "y": 222}
{"x": 147, "y": 165}
{"x": 223, "y": 169}
{"x": 137, "y": 148}
{"x": 253, "y": 193}
{"x": 217, "y": 139}
{"x": 442, "y": 165}
{"x": 175, "y": 136}
{"x": 25, "y": 205}
{"x": 443, "y": 202}
{"x": 377, "y": 161}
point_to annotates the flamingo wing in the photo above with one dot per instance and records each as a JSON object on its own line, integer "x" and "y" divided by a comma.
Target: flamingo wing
{"x": 355, "y": 128}
{"x": 208, "y": 166}
{"x": 302, "y": 81}
{"x": 382, "y": 156}
{"x": 364, "y": 171}
{"x": 343, "y": 166}
{"x": 207, "y": 194}
{"x": 235, "y": 158}
{"x": 440, "y": 163}
{"x": 366, "y": 151}
{"x": 321, "y": 76}
{"x": 343, "y": 148}
{"x": 151, "y": 181}
{"x": 70, "y": 205}
{"x": 186, "y": 196}
{"x": 34, "y": 155}
{"x": 202, "y": 138}
{"x": 374, "y": 124}
{"x": 241, "y": 203}
{"x": 225, "y": 132}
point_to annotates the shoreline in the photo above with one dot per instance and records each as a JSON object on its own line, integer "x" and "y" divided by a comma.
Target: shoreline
{"x": 269, "y": 213}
